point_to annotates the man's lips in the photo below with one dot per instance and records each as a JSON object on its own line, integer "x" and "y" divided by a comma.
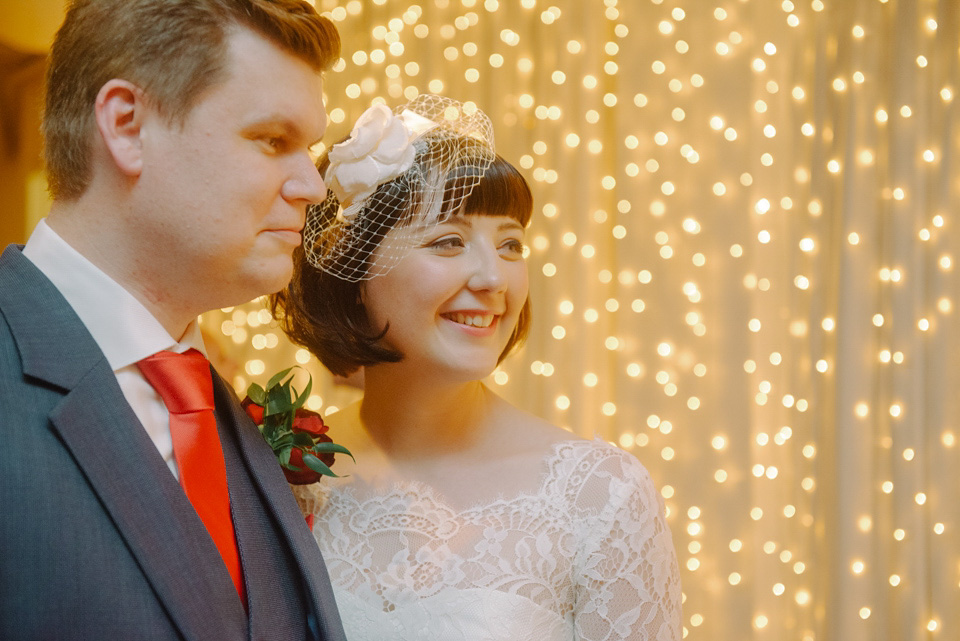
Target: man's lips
{"x": 290, "y": 236}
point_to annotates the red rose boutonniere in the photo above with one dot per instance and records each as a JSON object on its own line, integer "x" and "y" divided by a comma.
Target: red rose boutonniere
{"x": 298, "y": 436}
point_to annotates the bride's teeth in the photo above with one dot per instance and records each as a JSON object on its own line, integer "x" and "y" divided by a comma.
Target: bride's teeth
{"x": 480, "y": 320}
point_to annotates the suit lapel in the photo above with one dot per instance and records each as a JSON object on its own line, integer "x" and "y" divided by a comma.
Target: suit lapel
{"x": 123, "y": 467}
{"x": 280, "y": 503}
{"x": 54, "y": 345}
{"x": 149, "y": 509}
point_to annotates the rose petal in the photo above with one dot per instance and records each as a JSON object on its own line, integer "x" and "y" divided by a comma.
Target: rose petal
{"x": 254, "y": 411}
{"x": 312, "y": 425}
{"x": 305, "y": 475}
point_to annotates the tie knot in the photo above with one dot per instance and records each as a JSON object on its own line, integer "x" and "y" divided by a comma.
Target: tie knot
{"x": 182, "y": 380}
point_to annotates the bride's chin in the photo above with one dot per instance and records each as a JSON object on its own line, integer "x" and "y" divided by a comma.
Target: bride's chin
{"x": 471, "y": 374}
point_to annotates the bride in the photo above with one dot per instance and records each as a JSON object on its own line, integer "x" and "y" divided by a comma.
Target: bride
{"x": 465, "y": 518}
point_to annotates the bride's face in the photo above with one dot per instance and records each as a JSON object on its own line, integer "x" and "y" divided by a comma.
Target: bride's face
{"x": 453, "y": 302}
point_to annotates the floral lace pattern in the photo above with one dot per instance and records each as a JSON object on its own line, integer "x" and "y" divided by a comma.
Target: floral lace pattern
{"x": 588, "y": 557}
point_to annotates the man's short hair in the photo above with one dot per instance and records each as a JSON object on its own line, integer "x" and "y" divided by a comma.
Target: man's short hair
{"x": 172, "y": 49}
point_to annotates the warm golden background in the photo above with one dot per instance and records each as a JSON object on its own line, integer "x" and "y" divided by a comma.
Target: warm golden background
{"x": 743, "y": 271}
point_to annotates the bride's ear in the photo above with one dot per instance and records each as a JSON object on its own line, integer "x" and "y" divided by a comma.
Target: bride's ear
{"x": 119, "y": 111}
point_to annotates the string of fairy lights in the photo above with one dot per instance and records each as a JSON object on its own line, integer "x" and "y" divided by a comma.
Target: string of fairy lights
{"x": 742, "y": 270}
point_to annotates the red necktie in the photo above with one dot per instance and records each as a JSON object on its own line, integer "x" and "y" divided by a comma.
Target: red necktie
{"x": 186, "y": 387}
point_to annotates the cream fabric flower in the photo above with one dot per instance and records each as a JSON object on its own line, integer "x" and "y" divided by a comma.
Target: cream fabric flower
{"x": 379, "y": 149}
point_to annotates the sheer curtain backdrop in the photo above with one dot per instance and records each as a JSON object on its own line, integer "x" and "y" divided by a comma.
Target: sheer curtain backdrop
{"x": 743, "y": 271}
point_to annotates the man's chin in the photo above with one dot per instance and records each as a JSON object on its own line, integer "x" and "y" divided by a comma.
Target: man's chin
{"x": 269, "y": 280}
{"x": 274, "y": 285}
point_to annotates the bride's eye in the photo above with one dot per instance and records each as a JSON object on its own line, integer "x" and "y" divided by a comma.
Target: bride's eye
{"x": 446, "y": 243}
{"x": 512, "y": 248}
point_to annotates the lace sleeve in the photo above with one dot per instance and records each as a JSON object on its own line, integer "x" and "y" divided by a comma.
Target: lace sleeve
{"x": 628, "y": 581}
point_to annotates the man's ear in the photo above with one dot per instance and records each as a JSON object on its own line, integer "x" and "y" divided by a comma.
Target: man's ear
{"x": 120, "y": 109}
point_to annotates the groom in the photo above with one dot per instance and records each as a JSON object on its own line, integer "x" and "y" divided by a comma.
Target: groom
{"x": 177, "y": 136}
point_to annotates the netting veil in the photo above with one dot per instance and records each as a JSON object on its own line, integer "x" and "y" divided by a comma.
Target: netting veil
{"x": 396, "y": 176}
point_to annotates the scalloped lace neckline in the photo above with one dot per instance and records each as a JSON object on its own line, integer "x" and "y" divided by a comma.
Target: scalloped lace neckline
{"x": 549, "y": 473}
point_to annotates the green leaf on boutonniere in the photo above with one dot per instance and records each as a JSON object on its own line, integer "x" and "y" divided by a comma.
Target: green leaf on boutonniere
{"x": 256, "y": 394}
{"x": 302, "y": 440}
{"x": 276, "y": 378}
{"x": 276, "y": 406}
{"x": 302, "y": 398}
{"x": 317, "y": 465}
{"x": 293, "y": 432}
{"x": 332, "y": 447}
{"x": 284, "y": 456}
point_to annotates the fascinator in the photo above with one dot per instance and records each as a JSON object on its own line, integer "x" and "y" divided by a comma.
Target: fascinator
{"x": 397, "y": 175}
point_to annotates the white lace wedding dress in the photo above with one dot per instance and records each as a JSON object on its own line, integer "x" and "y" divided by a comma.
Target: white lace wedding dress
{"x": 587, "y": 557}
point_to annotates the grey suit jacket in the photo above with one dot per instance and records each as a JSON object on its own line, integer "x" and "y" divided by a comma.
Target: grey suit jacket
{"x": 97, "y": 539}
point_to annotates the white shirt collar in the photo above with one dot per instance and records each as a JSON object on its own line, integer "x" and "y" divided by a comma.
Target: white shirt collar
{"x": 123, "y": 328}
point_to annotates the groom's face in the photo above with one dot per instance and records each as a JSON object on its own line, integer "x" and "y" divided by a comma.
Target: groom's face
{"x": 226, "y": 193}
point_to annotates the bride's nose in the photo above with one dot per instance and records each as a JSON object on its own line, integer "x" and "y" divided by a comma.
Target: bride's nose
{"x": 488, "y": 270}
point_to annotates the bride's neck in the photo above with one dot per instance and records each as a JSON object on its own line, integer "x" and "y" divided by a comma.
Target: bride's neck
{"x": 410, "y": 417}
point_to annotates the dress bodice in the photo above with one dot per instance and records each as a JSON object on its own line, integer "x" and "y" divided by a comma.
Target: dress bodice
{"x": 588, "y": 556}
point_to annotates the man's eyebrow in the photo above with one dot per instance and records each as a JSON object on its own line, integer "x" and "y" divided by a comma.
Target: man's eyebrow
{"x": 287, "y": 126}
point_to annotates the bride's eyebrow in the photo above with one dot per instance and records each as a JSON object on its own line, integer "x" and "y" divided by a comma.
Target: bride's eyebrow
{"x": 456, "y": 219}
{"x": 466, "y": 220}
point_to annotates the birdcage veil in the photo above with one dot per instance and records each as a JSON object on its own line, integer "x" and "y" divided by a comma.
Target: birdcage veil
{"x": 397, "y": 175}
